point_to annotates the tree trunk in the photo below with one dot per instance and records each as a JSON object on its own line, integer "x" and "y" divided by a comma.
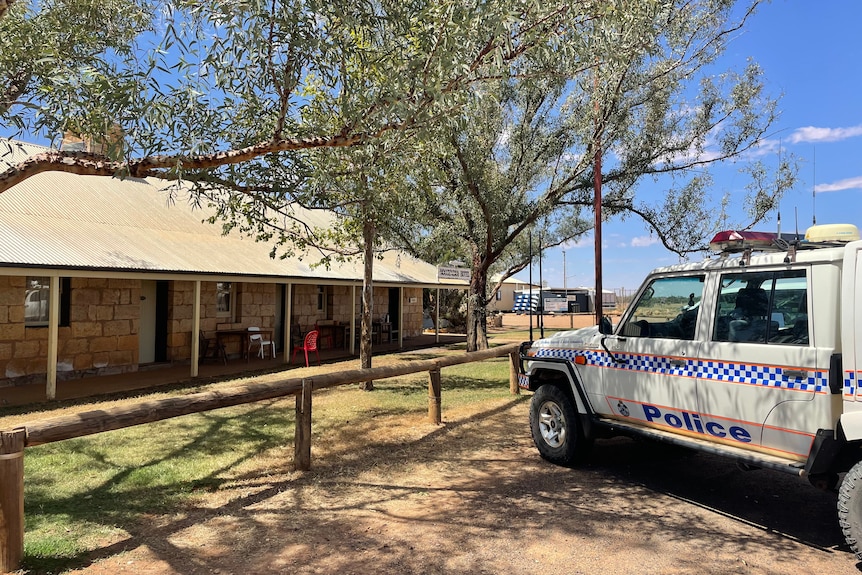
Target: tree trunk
{"x": 477, "y": 308}
{"x": 368, "y": 233}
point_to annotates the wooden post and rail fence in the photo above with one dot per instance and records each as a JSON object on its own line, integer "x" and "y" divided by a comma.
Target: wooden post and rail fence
{"x": 13, "y": 442}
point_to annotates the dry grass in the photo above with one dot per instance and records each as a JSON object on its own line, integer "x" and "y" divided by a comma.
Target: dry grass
{"x": 86, "y": 493}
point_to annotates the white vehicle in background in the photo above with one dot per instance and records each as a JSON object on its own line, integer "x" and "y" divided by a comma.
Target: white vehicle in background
{"x": 755, "y": 355}
{"x": 36, "y": 304}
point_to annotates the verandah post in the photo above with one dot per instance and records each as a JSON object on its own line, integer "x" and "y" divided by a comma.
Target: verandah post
{"x": 434, "y": 400}
{"x": 11, "y": 499}
{"x": 302, "y": 441}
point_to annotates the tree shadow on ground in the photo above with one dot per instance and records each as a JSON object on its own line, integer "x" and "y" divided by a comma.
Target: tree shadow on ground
{"x": 473, "y": 496}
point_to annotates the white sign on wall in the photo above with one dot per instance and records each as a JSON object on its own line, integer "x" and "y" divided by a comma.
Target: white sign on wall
{"x": 556, "y": 304}
{"x": 452, "y": 273}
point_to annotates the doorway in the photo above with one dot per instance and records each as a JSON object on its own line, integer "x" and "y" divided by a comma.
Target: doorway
{"x": 394, "y": 312}
{"x": 153, "y": 330}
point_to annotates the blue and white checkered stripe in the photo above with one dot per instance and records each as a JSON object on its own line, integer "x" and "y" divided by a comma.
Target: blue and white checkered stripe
{"x": 763, "y": 375}
{"x": 730, "y": 372}
{"x": 850, "y": 385}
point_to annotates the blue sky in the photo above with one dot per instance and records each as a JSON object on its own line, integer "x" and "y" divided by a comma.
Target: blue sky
{"x": 811, "y": 54}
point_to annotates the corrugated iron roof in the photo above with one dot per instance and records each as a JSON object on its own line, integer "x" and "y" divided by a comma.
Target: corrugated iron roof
{"x": 61, "y": 220}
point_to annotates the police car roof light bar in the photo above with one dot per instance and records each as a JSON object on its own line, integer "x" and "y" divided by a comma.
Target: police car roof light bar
{"x": 731, "y": 241}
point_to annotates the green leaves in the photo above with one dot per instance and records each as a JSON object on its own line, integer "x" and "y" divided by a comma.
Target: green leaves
{"x": 58, "y": 59}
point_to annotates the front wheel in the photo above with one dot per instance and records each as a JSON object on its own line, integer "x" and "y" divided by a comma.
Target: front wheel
{"x": 555, "y": 427}
{"x": 850, "y": 509}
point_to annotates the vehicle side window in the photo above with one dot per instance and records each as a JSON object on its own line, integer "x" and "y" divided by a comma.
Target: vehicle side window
{"x": 763, "y": 307}
{"x": 667, "y": 308}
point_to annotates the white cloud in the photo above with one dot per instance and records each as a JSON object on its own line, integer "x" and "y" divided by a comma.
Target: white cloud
{"x": 846, "y": 184}
{"x": 643, "y": 241}
{"x": 585, "y": 241}
{"x": 812, "y": 134}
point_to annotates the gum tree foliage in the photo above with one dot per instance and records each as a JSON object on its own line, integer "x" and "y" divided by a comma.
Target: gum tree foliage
{"x": 642, "y": 91}
{"x": 225, "y": 89}
{"x": 230, "y": 96}
{"x": 367, "y": 187}
{"x": 56, "y": 53}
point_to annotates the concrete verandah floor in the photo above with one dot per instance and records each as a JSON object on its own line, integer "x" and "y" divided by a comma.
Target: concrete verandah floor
{"x": 161, "y": 375}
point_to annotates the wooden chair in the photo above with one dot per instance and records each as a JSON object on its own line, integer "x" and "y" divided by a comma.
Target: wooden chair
{"x": 325, "y": 337}
{"x": 308, "y": 344}
{"x": 296, "y": 336}
{"x": 206, "y": 344}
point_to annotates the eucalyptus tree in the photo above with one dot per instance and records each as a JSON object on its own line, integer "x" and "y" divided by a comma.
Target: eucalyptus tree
{"x": 213, "y": 87}
{"x": 636, "y": 89}
{"x": 371, "y": 190}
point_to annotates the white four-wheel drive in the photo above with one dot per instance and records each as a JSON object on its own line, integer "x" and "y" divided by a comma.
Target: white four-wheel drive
{"x": 755, "y": 354}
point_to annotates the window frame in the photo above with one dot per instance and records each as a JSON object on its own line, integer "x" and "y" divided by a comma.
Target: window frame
{"x": 771, "y": 281}
{"x": 322, "y": 297}
{"x": 681, "y": 326}
{"x": 44, "y": 283}
{"x": 228, "y": 312}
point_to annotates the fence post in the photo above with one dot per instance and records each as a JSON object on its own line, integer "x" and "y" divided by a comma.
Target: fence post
{"x": 434, "y": 400}
{"x": 302, "y": 441}
{"x": 514, "y": 368}
{"x": 11, "y": 499}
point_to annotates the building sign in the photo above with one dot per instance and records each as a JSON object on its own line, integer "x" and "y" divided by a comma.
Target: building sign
{"x": 452, "y": 273}
{"x": 555, "y": 304}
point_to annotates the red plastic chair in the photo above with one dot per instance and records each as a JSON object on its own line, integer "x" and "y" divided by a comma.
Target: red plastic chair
{"x": 308, "y": 344}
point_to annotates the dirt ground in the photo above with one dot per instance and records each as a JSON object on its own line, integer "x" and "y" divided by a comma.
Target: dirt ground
{"x": 391, "y": 494}
{"x": 553, "y": 321}
{"x": 473, "y": 496}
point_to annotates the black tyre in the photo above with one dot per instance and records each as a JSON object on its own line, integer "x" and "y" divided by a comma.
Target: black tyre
{"x": 850, "y": 508}
{"x": 555, "y": 427}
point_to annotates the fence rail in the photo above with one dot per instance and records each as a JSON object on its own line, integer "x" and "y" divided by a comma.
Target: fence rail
{"x": 48, "y": 430}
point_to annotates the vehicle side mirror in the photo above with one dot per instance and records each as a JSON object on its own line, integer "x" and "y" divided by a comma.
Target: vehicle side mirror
{"x": 605, "y": 326}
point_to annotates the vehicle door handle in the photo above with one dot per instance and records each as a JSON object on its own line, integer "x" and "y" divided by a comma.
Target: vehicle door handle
{"x": 796, "y": 374}
{"x": 677, "y": 362}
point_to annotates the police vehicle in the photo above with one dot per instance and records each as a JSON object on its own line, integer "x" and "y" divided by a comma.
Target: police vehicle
{"x": 755, "y": 354}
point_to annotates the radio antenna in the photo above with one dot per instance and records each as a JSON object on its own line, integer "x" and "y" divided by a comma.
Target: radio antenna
{"x": 778, "y": 189}
{"x": 814, "y": 188}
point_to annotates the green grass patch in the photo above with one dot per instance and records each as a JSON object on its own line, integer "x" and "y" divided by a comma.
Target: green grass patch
{"x": 82, "y": 491}
{"x": 83, "y": 494}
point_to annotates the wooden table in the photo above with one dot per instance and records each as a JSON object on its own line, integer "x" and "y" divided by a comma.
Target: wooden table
{"x": 336, "y": 333}
{"x": 242, "y": 334}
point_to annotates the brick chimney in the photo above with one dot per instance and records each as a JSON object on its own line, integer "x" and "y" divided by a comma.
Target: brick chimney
{"x": 110, "y": 146}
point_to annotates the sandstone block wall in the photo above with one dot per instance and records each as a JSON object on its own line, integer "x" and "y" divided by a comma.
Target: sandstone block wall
{"x": 102, "y": 337}
{"x": 104, "y": 321}
{"x": 340, "y": 307}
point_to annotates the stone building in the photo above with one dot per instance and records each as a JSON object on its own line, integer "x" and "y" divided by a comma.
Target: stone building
{"x": 104, "y": 276}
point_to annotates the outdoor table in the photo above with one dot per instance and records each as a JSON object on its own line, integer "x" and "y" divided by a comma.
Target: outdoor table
{"x": 335, "y": 333}
{"x": 242, "y": 334}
